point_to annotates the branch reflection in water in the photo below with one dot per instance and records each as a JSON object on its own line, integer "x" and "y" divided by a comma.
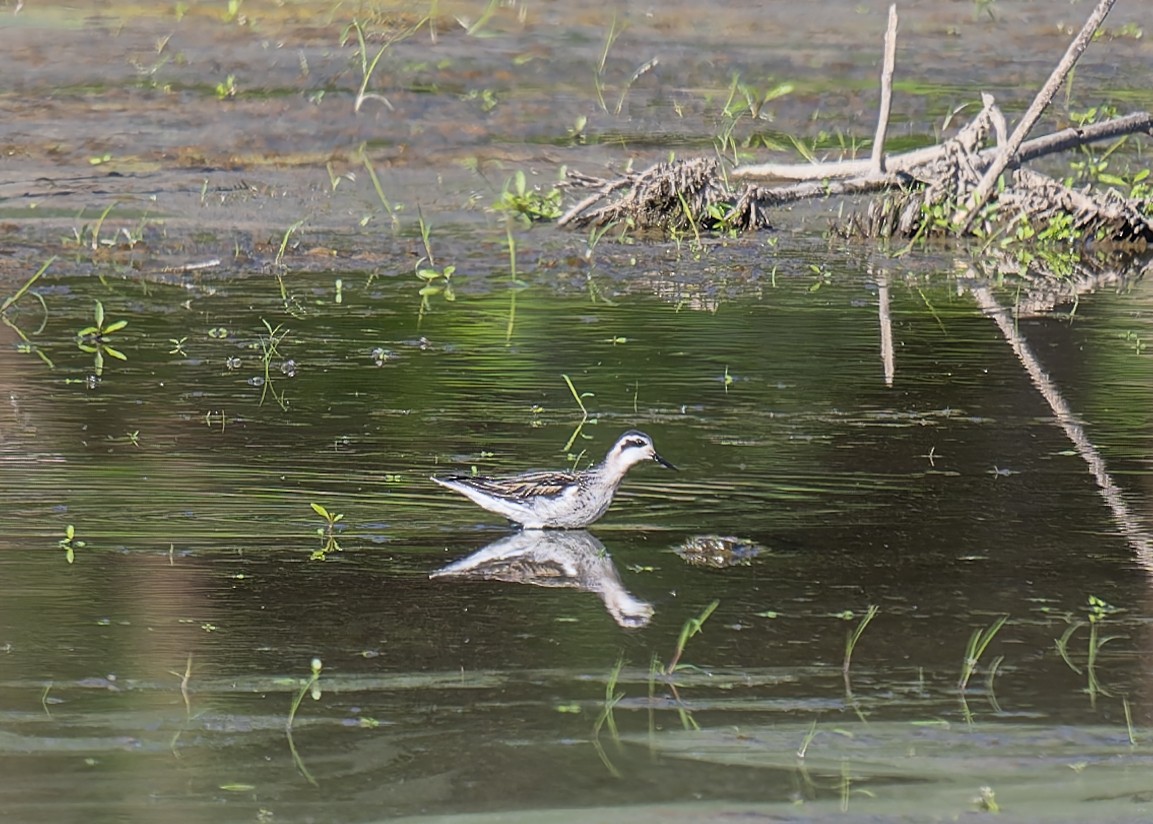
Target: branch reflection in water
{"x": 554, "y": 558}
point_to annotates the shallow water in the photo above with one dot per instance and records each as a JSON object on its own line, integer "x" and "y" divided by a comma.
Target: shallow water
{"x": 155, "y": 674}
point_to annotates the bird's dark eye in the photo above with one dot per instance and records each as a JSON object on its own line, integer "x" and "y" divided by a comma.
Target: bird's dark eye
{"x": 636, "y": 442}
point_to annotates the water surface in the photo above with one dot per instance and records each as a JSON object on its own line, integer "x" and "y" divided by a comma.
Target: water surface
{"x": 155, "y": 675}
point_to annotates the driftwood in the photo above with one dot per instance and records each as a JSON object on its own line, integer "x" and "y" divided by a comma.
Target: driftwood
{"x": 955, "y": 179}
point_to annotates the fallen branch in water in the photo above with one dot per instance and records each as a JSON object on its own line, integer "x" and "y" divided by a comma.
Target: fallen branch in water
{"x": 963, "y": 219}
{"x": 952, "y": 178}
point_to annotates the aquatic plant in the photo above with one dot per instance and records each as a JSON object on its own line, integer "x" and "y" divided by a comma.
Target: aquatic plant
{"x": 232, "y": 13}
{"x": 599, "y": 73}
{"x": 436, "y": 281}
{"x": 368, "y": 65}
{"x": 327, "y": 532}
{"x": 185, "y": 677}
{"x": 269, "y": 349}
{"x": 90, "y": 235}
{"x": 744, "y": 97}
{"x": 515, "y": 285}
{"x": 485, "y": 97}
{"x": 291, "y": 303}
{"x": 822, "y": 274}
{"x": 606, "y": 718}
{"x": 852, "y": 636}
{"x": 986, "y": 800}
{"x": 26, "y": 345}
{"x": 1098, "y": 610}
{"x": 226, "y": 89}
{"x": 1134, "y": 340}
{"x": 579, "y": 397}
{"x": 692, "y": 627}
{"x": 807, "y": 740}
{"x": 576, "y": 132}
{"x": 720, "y": 218}
{"x": 724, "y": 143}
{"x": 694, "y": 223}
{"x": 978, "y": 642}
{"x": 279, "y": 260}
{"x": 11, "y": 300}
{"x": 530, "y": 204}
{"x": 425, "y": 234}
{"x": 1128, "y": 720}
{"x": 335, "y": 178}
{"x": 69, "y": 543}
{"x": 311, "y": 686}
{"x": 990, "y": 677}
{"x": 474, "y": 28}
{"x": 94, "y": 339}
{"x": 389, "y": 207}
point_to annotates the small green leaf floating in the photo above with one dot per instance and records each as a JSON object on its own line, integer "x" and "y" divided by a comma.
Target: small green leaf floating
{"x": 69, "y": 543}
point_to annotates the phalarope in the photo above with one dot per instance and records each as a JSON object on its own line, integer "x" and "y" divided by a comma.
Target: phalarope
{"x": 558, "y": 500}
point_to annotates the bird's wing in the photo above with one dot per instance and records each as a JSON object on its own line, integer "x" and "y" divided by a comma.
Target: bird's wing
{"x": 528, "y": 485}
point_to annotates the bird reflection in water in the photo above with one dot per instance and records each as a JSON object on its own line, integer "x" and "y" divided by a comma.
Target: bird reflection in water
{"x": 572, "y": 558}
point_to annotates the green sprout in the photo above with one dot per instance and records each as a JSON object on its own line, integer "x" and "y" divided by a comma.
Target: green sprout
{"x": 1098, "y": 611}
{"x": 269, "y": 349}
{"x": 579, "y": 398}
{"x": 606, "y": 719}
{"x": 327, "y": 532}
{"x": 70, "y": 544}
{"x": 691, "y": 628}
{"x": 389, "y": 207}
{"x": 599, "y": 72}
{"x": 436, "y": 282}
{"x": 26, "y": 346}
{"x": 529, "y": 204}
{"x": 367, "y": 64}
{"x": 94, "y": 339}
{"x": 232, "y": 15}
{"x": 226, "y": 89}
{"x": 515, "y": 285}
{"x": 986, "y": 800}
{"x": 851, "y": 639}
{"x": 978, "y": 642}
{"x": 311, "y": 686}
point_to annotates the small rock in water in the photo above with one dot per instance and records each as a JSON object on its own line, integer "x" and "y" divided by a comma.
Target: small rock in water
{"x": 718, "y": 551}
{"x": 381, "y": 356}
